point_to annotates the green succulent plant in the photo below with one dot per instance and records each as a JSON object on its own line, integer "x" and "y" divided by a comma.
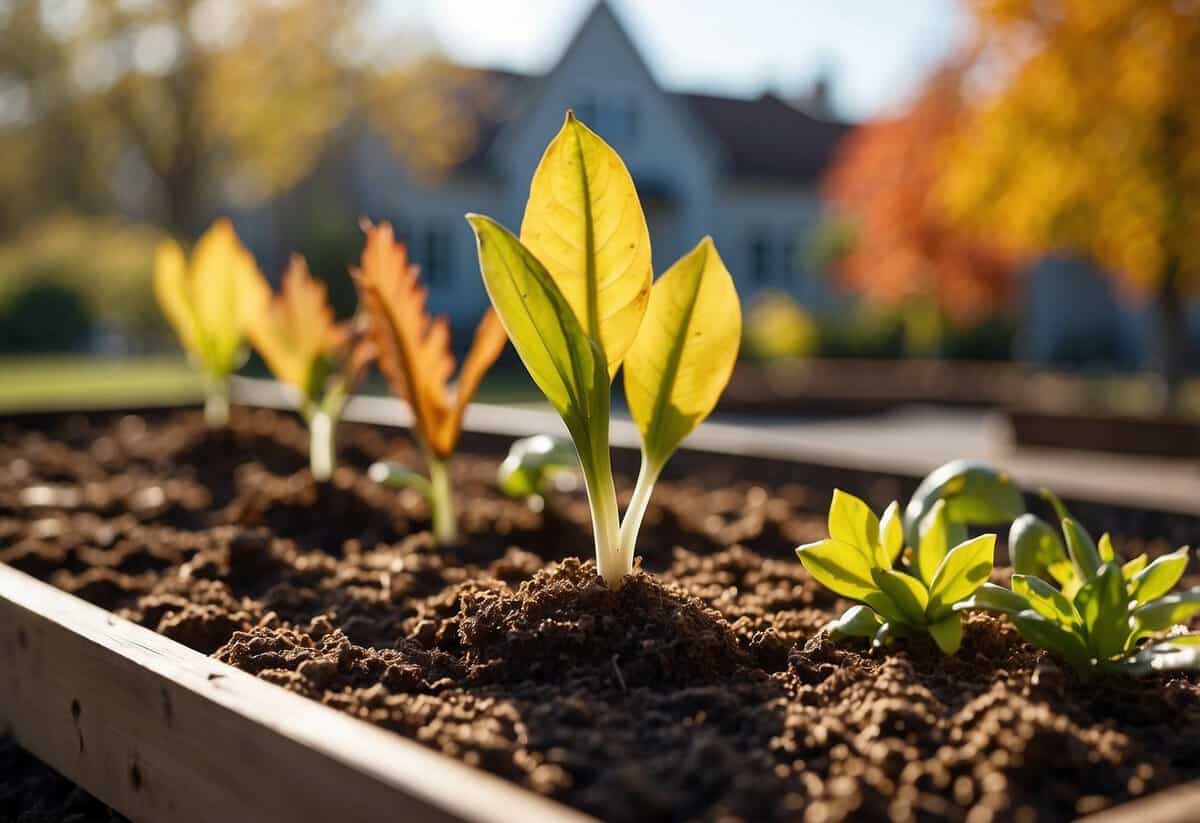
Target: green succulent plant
{"x": 859, "y": 562}
{"x": 536, "y": 465}
{"x": 1101, "y": 612}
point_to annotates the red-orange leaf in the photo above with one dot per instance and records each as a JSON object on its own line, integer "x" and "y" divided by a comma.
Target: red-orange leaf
{"x": 297, "y": 331}
{"x": 414, "y": 348}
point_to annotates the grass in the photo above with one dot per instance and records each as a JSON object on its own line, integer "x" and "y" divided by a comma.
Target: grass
{"x": 67, "y": 381}
{"x": 64, "y": 381}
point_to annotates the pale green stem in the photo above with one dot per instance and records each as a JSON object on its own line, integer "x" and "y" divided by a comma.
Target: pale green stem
{"x": 596, "y": 463}
{"x": 216, "y": 401}
{"x": 323, "y": 420}
{"x": 322, "y": 446}
{"x": 441, "y": 501}
{"x": 632, "y": 524}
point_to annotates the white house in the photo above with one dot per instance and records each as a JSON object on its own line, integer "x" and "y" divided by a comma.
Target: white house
{"x": 743, "y": 171}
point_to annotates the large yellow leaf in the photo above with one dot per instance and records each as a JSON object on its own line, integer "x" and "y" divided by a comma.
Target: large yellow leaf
{"x": 584, "y": 223}
{"x": 211, "y": 301}
{"x": 684, "y": 354}
{"x": 413, "y": 348}
{"x": 560, "y": 357}
{"x": 173, "y": 291}
{"x": 297, "y": 328}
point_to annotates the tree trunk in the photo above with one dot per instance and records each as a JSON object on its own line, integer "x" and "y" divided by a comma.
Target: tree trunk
{"x": 1169, "y": 354}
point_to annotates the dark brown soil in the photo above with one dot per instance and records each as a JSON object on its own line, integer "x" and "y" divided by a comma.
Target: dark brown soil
{"x": 31, "y": 792}
{"x": 701, "y": 691}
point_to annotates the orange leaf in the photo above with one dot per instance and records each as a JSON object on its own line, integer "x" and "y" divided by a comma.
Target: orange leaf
{"x": 414, "y": 348}
{"x": 297, "y": 328}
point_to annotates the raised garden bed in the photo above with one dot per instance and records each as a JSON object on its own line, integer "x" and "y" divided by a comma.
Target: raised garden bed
{"x": 1042, "y": 409}
{"x": 1122, "y": 434}
{"x": 814, "y": 386}
{"x": 698, "y": 692}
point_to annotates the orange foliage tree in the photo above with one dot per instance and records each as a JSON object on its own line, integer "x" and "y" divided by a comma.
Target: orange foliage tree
{"x": 1091, "y": 142}
{"x": 904, "y": 246}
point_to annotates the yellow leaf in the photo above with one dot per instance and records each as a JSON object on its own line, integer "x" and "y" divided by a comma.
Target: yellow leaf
{"x": 211, "y": 301}
{"x": 584, "y": 223}
{"x": 297, "y": 328}
{"x": 174, "y": 295}
{"x": 413, "y": 348}
{"x": 684, "y": 354}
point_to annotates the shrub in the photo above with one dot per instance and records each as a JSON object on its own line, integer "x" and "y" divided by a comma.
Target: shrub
{"x": 45, "y": 317}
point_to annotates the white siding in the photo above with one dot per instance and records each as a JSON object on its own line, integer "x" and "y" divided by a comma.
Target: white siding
{"x": 602, "y": 75}
{"x": 761, "y": 232}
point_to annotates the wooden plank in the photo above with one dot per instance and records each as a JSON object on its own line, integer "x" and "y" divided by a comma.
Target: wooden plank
{"x": 160, "y": 732}
{"x": 1155, "y": 484}
{"x": 1178, "y": 804}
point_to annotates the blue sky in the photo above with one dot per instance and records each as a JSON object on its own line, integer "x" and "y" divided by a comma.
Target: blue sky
{"x": 877, "y": 50}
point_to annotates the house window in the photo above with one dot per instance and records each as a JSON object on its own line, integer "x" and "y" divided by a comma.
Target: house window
{"x": 760, "y": 258}
{"x": 791, "y": 262}
{"x": 617, "y": 120}
{"x": 435, "y": 255}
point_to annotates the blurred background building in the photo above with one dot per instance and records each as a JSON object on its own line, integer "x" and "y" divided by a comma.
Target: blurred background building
{"x": 1031, "y": 190}
{"x": 747, "y": 172}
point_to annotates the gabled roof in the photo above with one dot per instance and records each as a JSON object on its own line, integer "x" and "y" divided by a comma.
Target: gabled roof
{"x": 761, "y": 140}
{"x": 767, "y": 139}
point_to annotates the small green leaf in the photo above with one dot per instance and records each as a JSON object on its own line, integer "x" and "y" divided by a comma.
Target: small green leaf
{"x": 1034, "y": 546}
{"x": 1060, "y": 511}
{"x": 1046, "y": 634}
{"x": 1105, "y": 548}
{"x": 888, "y": 633}
{"x": 1081, "y": 549}
{"x": 891, "y": 535}
{"x": 1134, "y": 566}
{"x": 965, "y": 568}
{"x": 399, "y": 476}
{"x": 947, "y": 633}
{"x": 906, "y": 592}
{"x": 1159, "y": 577}
{"x": 532, "y": 462}
{"x": 976, "y": 494}
{"x": 852, "y": 521}
{"x": 992, "y": 598}
{"x": 1067, "y": 577}
{"x": 885, "y": 607}
{"x": 1103, "y": 603}
{"x": 856, "y": 621}
{"x": 1166, "y": 612}
{"x": 1175, "y": 654}
{"x": 1046, "y": 600}
{"x": 839, "y": 567}
{"x": 937, "y": 536}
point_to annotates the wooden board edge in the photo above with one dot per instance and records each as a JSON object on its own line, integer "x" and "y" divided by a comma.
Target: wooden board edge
{"x": 161, "y": 732}
{"x": 1094, "y": 482}
{"x": 1177, "y": 804}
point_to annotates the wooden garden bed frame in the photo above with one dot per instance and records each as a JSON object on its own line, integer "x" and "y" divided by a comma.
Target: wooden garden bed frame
{"x": 161, "y": 732}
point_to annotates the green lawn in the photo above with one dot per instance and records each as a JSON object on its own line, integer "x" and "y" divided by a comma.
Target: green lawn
{"x": 46, "y": 382}
{"x": 63, "y": 381}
